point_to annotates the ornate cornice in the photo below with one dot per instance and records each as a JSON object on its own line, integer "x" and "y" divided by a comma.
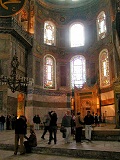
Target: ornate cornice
{"x": 48, "y": 92}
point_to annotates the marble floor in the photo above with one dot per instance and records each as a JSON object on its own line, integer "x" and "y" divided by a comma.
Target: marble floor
{"x": 95, "y": 148}
{"x": 8, "y": 155}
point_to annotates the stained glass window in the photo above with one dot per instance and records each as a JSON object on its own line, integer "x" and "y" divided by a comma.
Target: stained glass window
{"x": 49, "y": 33}
{"x": 104, "y": 68}
{"x": 49, "y": 72}
{"x": 101, "y": 25}
{"x": 78, "y": 71}
{"x": 76, "y": 35}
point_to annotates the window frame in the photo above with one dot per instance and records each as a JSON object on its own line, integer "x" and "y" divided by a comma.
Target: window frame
{"x": 53, "y": 87}
{"x": 102, "y": 77}
{"x": 99, "y": 35}
{"x": 83, "y": 77}
{"x": 53, "y": 33}
{"x": 70, "y": 42}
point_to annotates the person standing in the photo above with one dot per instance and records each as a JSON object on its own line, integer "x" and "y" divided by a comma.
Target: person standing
{"x": 8, "y": 122}
{"x": 34, "y": 121}
{"x": 97, "y": 120}
{"x": 46, "y": 123}
{"x": 53, "y": 127}
{"x": 79, "y": 125}
{"x": 38, "y": 121}
{"x": 0, "y": 124}
{"x": 66, "y": 122}
{"x": 13, "y": 119}
{"x": 2, "y": 119}
{"x": 20, "y": 132}
{"x": 88, "y": 120}
{"x": 73, "y": 125}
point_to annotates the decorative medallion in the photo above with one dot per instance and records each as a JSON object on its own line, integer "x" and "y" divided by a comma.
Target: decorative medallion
{"x": 38, "y": 48}
{"x": 10, "y": 7}
{"x": 62, "y": 19}
{"x": 62, "y": 53}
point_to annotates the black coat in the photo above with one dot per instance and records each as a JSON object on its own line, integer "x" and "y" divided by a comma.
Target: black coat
{"x": 53, "y": 121}
{"x": 20, "y": 126}
{"x": 88, "y": 120}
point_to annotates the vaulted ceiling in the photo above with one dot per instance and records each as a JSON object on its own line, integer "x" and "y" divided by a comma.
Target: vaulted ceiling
{"x": 64, "y": 4}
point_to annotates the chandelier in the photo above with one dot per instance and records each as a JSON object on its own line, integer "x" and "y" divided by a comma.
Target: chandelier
{"x": 14, "y": 81}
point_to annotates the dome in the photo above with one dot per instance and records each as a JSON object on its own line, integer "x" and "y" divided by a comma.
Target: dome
{"x": 65, "y": 4}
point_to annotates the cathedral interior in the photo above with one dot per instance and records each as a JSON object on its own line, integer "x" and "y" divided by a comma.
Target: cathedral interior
{"x": 68, "y": 57}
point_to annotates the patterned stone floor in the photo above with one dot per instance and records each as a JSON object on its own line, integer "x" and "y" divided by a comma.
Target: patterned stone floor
{"x": 94, "y": 149}
{"x": 8, "y": 155}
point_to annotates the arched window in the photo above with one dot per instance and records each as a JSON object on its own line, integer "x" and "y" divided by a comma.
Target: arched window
{"x": 49, "y": 33}
{"x": 49, "y": 72}
{"x": 78, "y": 71}
{"x": 104, "y": 68}
{"x": 101, "y": 25}
{"x": 76, "y": 35}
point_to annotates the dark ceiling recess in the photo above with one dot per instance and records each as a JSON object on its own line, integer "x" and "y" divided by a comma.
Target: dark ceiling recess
{"x": 118, "y": 23}
{"x": 118, "y": 18}
{"x": 65, "y": 4}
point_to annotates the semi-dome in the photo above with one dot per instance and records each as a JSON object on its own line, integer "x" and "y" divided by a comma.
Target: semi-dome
{"x": 64, "y": 4}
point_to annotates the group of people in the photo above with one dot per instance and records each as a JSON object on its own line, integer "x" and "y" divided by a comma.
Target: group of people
{"x": 50, "y": 125}
{"x": 20, "y": 135}
{"x": 68, "y": 122}
{"x": 79, "y": 123}
{"x": 7, "y": 122}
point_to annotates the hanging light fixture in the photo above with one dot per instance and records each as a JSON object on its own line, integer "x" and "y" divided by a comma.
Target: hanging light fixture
{"x": 15, "y": 81}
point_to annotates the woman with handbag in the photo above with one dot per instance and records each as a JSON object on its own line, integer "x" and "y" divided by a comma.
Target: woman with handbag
{"x": 66, "y": 123}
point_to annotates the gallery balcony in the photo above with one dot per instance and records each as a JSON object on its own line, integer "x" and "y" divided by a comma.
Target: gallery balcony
{"x": 10, "y": 25}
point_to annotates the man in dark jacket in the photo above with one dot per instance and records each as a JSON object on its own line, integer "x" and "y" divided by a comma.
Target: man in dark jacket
{"x": 38, "y": 121}
{"x": 88, "y": 121}
{"x": 53, "y": 127}
{"x": 20, "y": 131}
